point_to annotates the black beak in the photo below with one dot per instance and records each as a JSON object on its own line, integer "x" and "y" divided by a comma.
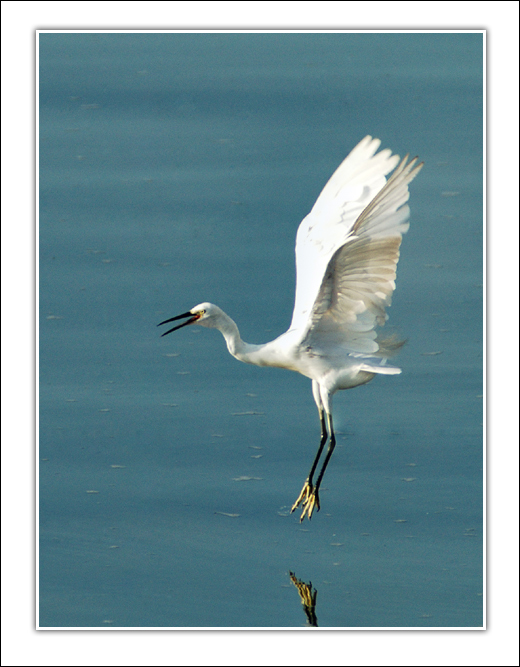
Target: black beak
{"x": 193, "y": 318}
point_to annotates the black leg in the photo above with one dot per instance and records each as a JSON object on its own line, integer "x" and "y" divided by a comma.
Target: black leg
{"x": 323, "y": 440}
{"x": 332, "y": 444}
{"x": 308, "y": 494}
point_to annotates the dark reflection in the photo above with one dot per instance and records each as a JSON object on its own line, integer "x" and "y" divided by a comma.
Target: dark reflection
{"x": 308, "y": 598}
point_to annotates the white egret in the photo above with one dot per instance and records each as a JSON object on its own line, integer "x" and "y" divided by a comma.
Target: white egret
{"x": 347, "y": 249}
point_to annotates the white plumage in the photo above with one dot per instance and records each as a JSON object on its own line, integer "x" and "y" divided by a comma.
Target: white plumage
{"x": 347, "y": 250}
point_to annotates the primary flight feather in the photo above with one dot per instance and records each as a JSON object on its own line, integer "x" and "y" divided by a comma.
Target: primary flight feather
{"x": 347, "y": 249}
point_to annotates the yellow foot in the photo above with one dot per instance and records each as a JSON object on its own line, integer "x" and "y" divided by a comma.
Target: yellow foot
{"x": 310, "y": 499}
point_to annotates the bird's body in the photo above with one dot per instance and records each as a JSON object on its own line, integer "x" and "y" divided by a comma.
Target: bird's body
{"x": 330, "y": 368}
{"x": 347, "y": 250}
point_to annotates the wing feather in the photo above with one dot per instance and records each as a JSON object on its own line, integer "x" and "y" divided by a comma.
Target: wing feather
{"x": 359, "y": 278}
{"x": 354, "y": 184}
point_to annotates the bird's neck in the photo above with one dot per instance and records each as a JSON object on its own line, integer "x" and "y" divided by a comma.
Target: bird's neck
{"x": 250, "y": 354}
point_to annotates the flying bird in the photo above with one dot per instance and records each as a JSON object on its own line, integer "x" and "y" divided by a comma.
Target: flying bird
{"x": 347, "y": 249}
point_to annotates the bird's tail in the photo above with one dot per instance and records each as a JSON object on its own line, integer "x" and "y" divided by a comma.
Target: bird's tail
{"x": 378, "y": 366}
{"x": 389, "y": 346}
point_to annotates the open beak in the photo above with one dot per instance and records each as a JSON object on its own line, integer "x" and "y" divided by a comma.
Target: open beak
{"x": 192, "y": 318}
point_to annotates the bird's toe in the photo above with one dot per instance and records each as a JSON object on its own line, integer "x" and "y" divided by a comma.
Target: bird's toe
{"x": 312, "y": 502}
{"x": 304, "y": 496}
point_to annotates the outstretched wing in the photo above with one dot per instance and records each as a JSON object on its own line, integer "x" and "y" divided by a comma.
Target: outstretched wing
{"x": 356, "y": 255}
{"x": 327, "y": 227}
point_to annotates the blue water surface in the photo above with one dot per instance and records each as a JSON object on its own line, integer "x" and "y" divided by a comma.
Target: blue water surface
{"x": 175, "y": 169}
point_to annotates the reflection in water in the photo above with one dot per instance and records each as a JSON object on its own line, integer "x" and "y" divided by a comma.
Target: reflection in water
{"x": 308, "y": 598}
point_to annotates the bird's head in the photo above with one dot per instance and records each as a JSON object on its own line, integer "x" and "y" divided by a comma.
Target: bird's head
{"x": 206, "y": 314}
